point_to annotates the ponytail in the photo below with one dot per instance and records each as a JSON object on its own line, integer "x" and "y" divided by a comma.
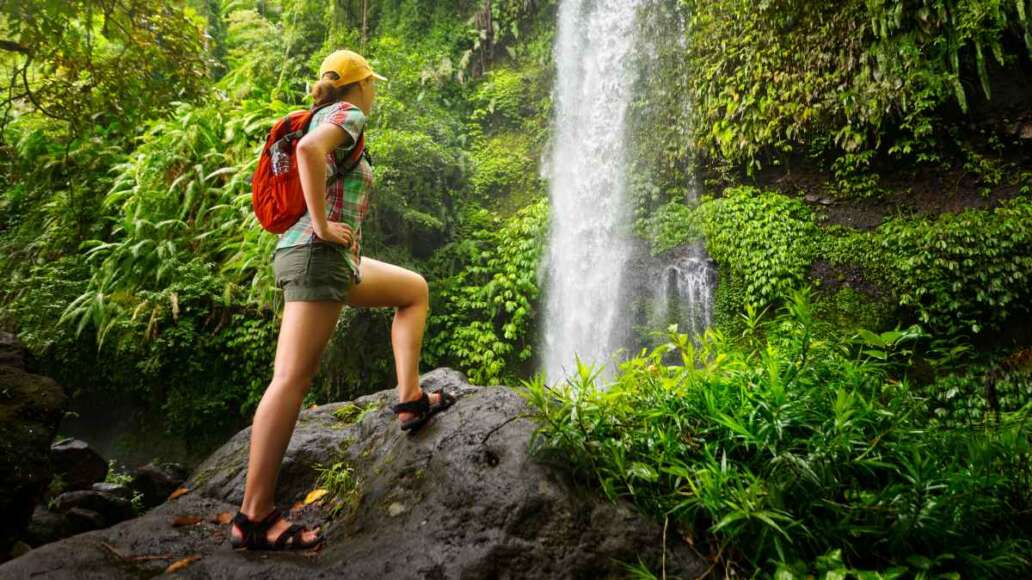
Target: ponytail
{"x": 325, "y": 92}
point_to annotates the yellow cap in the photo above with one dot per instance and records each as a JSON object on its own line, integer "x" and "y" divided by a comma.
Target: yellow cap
{"x": 349, "y": 66}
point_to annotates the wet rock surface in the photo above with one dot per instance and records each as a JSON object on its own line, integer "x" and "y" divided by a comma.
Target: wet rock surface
{"x": 77, "y": 464}
{"x": 111, "y": 508}
{"x": 114, "y": 489}
{"x": 49, "y": 526}
{"x": 157, "y": 480}
{"x": 459, "y": 499}
{"x": 31, "y": 407}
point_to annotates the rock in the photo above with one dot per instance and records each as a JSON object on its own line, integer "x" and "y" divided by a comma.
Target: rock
{"x": 49, "y": 526}
{"x": 86, "y": 519}
{"x": 78, "y": 464}
{"x": 31, "y": 408}
{"x": 459, "y": 499}
{"x": 114, "y": 489}
{"x": 20, "y": 549}
{"x": 112, "y": 508}
{"x": 812, "y": 198}
{"x": 156, "y": 481}
{"x": 12, "y": 353}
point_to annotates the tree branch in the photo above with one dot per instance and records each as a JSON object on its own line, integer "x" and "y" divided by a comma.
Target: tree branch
{"x": 12, "y": 46}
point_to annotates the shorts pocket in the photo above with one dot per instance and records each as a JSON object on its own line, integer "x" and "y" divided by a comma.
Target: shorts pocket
{"x": 290, "y": 265}
{"x": 328, "y": 266}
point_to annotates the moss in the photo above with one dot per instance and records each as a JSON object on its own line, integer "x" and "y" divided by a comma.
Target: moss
{"x": 351, "y": 413}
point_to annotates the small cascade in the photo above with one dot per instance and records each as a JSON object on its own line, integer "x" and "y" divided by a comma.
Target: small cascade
{"x": 682, "y": 286}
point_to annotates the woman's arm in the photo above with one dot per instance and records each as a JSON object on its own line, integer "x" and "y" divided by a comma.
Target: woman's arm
{"x": 311, "y": 165}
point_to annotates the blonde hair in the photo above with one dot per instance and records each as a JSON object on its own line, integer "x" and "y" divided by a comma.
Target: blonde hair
{"x": 324, "y": 91}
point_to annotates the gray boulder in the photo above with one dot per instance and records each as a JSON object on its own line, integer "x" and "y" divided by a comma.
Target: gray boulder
{"x": 112, "y": 509}
{"x": 113, "y": 489}
{"x": 78, "y": 464}
{"x": 157, "y": 480}
{"x": 459, "y": 499}
{"x": 49, "y": 526}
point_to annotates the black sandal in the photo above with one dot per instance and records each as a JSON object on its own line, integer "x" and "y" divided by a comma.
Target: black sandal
{"x": 423, "y": 408}
{"x": 420, "y": 406}
{"x": 445, "y": 400}
{"x": 254, "y": 534}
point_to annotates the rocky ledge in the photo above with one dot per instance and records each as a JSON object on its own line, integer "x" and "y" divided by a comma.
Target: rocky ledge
{"x": 459, "y": 499}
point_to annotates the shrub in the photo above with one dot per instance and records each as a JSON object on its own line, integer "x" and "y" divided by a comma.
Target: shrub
{"x": 958, "y": 272}
{"x": 763, "y": 243}
{"x": 482, "y": 317}
{"x": 790, "y": 452}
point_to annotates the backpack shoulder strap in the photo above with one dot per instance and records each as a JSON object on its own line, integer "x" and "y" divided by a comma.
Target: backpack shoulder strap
{"x": 358, "y": 149}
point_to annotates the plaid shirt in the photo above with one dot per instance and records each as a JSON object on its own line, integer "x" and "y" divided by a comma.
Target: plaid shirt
{"x": 347, "y": 196}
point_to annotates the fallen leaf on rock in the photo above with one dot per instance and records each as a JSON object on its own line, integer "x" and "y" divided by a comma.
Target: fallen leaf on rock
{"x": 178, "y": 493}
{"x": 185, "y": 521}
{"x": 315, "y": 495}
{"x": 313, "y": 406}
{"x": 297, "y": 506}
{"x": 180, "y": 564}
{"x": 222, "y": 518}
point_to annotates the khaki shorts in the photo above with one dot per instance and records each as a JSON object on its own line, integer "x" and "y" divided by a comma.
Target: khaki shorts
{"x": 316, "y": 271}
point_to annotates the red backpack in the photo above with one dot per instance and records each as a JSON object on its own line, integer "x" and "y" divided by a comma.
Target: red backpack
{"x": 276, "y": 192}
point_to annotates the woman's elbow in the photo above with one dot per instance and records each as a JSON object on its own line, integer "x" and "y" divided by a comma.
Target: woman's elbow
{"x": 308, "y": 149}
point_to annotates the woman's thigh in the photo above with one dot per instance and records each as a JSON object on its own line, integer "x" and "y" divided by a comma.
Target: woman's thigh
{"x": 385, "y": 284}
{"x": 306, "y": 329}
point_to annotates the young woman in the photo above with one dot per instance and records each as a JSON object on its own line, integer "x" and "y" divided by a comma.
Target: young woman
{"x": 318, "y": 264}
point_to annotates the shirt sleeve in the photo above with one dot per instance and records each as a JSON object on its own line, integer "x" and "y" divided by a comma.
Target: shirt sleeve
{"x": 347, "y": 117}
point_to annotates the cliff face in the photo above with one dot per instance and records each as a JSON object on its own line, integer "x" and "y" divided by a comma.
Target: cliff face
{"x": 459, "y": 499}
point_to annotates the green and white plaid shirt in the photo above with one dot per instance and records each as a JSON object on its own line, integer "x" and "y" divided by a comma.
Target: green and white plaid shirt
{"x": 347, "y": 196}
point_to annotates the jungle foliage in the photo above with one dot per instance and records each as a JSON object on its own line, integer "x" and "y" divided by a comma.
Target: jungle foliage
{"x": 133, "y": 262}
{"x": 866, "y": 431}
{"x": 959, "y": 273}
{"x": 844, "y": 79}
{"x": 793, "y": 455}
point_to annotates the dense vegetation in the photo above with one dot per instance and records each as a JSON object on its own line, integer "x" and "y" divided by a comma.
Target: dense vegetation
{"x": 134, "y": 264}
{"x": 877, "y": 151}
{"x": 797, "y": 452}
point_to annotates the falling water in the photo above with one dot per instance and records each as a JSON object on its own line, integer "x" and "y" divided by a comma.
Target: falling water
{"x": 590, "y": 242}
{"x": 682, "y": 290}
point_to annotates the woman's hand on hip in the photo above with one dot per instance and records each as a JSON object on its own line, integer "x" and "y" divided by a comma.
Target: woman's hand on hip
{"x": 338, "y": 233}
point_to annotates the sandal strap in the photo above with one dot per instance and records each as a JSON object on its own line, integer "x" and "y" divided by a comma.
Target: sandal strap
{"x": 254, "y": 532}
{"x": 420, "y": 405}
{"x": 444, "y": 400}
{"x": 293, "y": 534}
{"x": 269, "y": 520}
{"x": 446, "y": 397}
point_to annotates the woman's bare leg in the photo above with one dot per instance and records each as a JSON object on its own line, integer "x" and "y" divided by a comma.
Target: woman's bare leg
{"x": 305, "y": 331}
{"x": 385, "y": 284}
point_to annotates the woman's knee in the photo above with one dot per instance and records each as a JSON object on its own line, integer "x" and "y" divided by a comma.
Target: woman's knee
{"x": 422, "y": 289}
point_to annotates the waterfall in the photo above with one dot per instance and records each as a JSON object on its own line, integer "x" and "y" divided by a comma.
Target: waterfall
{"x": 682, "y": 290}
{"x": 590, "y": 241}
